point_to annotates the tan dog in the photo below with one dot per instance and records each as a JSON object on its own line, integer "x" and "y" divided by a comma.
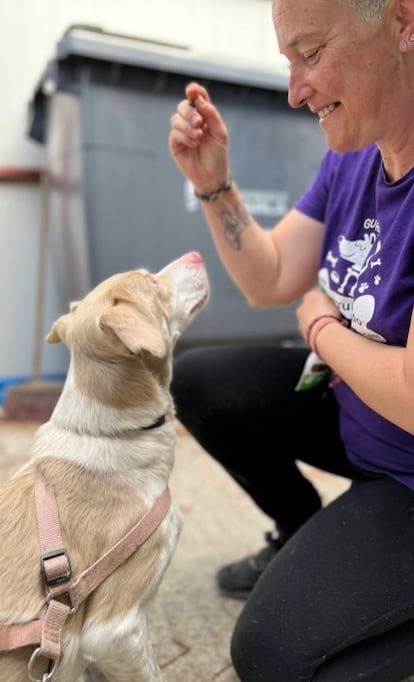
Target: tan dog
{"x": 107, "y": 452}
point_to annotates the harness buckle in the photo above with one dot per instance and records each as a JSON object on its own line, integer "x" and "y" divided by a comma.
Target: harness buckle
{"x": 63, "y": 577}
{"x": 45, "y": 676}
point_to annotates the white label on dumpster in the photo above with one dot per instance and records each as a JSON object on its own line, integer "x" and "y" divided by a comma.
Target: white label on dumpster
{"x": 258, "y": 202}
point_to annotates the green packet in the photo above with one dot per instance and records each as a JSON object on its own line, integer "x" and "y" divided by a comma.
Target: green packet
{"x": 314, "y": 371}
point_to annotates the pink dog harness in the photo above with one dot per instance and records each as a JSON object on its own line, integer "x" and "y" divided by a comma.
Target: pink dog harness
{"x": 46, "y": 631}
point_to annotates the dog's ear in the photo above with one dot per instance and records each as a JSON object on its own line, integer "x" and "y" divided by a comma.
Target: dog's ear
{"x": 57, "y": 332}
{"x": 135, "y": 329}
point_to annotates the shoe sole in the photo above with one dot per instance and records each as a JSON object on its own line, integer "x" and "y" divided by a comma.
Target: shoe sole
{"x": 240, "y": 596}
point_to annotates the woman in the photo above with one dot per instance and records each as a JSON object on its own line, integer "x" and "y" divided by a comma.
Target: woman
{"x": 331, "y": 597}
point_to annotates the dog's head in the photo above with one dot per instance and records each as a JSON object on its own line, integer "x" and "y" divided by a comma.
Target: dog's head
{"x": 136, "y": 311}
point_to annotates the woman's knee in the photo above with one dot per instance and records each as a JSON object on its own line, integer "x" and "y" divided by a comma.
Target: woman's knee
{"x": 200, "y": 380}
{"x": 183, "y": 371}
{"x": 253, "y": 655}
{"x": 243, "y": 652}
{"x": 262, "y": 655}
{"x": 188, "y": 385}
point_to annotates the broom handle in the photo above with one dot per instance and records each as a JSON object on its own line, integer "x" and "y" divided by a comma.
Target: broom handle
{"x": 41, "y": 274}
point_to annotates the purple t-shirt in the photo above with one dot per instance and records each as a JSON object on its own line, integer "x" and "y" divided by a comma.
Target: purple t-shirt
{"x": 367, "y": 269}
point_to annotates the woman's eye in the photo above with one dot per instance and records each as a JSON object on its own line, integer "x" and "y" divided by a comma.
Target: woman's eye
{"x": 311, "y": 56}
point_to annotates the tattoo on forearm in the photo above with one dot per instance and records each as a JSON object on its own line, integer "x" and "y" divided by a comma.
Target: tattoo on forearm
{"x": 233, "y": 225}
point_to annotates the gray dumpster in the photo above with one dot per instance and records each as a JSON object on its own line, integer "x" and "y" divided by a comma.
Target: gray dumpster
{"x": 117, "y": 201}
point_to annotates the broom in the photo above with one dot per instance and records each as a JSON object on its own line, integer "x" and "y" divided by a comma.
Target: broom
{"x": 35, "y": 400}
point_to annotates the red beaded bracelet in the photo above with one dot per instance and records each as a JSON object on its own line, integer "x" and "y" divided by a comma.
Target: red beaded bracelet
{"x": 316, "y": 325}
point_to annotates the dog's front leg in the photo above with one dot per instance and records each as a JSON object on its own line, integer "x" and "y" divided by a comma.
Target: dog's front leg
{"x": 131, "y": 659}
{"x": 142, "y": 669}
{"x": 114, "y": 673}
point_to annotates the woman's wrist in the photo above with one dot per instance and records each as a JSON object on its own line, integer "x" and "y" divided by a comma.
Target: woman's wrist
{"x": 213, "y": 194}
{"x": 316, "y": 325}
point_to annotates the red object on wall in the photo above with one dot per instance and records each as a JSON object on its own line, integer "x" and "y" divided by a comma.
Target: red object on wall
{"x": 11, "y": 174}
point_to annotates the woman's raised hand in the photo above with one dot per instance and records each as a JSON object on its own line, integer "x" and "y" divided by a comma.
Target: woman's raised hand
{"x": 198, "y": 140}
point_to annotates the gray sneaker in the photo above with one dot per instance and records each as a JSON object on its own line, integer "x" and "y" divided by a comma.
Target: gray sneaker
{"x": 237, "y": 580}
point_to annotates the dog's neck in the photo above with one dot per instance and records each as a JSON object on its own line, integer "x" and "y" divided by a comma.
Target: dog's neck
{"x": 111, "y": 400}
{"x": 125, "y": 433}
{"x": 114, "y": 438}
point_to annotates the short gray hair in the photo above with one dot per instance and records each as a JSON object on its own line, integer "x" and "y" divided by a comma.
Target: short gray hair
{"x": 368, "y": 10}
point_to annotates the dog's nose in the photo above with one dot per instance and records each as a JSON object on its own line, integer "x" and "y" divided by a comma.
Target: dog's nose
{"x": 195, "y": 257}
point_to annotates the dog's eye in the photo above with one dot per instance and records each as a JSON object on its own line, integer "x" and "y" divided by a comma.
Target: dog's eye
{"x": 154, "y": 282}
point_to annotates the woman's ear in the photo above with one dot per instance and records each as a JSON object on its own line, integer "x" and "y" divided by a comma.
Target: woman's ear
{"x": 405, "y": 18}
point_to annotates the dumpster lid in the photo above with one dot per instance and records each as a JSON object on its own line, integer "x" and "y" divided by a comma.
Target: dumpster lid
{"x": 96, "y": 43}
{"x": 92, "y": 42}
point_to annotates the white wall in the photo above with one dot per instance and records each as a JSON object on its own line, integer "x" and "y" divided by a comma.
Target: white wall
{"x": 236, "y": 31}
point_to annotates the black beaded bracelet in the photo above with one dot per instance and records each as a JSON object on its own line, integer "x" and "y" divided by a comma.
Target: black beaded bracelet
{"x": 212, "y": 196}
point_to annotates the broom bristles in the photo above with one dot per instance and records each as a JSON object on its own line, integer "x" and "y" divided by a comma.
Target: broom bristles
{"x": 31, "y": 401}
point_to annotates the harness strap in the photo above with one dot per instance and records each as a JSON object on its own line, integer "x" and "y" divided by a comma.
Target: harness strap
{"x": 87, "y": 581}
{"x": 46, "y": 631}
{"x": 54, "y": 561}
{"x": 52, "y": 625}
{"x": 16, "y": 636}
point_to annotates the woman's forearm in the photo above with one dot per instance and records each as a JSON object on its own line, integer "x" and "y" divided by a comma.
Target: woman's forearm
{"x": 381, "y": 375}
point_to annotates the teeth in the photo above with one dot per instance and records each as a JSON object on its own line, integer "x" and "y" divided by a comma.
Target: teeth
{"x": 326, "y": 110}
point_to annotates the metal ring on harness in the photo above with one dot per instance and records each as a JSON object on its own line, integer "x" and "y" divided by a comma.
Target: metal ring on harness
{"x": 46, "y": 676}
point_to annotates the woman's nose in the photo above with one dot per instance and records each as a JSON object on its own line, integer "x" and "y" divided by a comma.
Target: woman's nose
{"x": 299, "y": 92}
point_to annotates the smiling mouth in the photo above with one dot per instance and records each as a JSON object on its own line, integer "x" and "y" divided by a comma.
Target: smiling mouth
{"x": 327, "y": 110}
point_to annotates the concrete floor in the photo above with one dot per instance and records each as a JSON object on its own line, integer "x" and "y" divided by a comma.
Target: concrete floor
{"x": 191, "y": 623}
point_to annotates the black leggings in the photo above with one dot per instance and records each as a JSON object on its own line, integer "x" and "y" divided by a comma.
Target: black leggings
{"x": 337, "y": 602}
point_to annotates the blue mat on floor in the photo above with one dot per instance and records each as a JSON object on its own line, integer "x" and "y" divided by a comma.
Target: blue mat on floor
{"x": 6, "y": 382}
